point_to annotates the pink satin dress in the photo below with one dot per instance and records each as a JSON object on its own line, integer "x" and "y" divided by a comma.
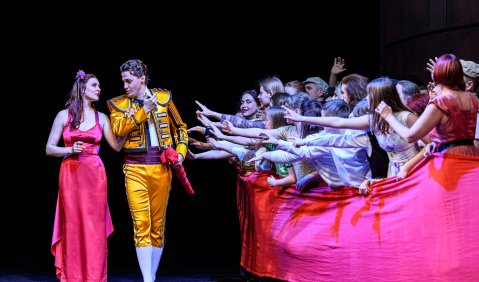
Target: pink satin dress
{"x": 82, "y": 218}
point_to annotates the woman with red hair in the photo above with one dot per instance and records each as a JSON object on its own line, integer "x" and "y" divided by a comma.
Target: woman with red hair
{"x": 449, "y": 118}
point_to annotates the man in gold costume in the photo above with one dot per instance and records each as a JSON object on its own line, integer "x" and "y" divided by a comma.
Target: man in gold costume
{"x": 153, "y": 126}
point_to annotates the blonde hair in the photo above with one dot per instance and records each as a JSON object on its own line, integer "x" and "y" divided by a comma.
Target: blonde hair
{"x": 272, "y": 84}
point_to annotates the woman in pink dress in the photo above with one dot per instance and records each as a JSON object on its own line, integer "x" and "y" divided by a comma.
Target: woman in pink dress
{"x": 82, "y": 218}
{"x": 450, "y": 116}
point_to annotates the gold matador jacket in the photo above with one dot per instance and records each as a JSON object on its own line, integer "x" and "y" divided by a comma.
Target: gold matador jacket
{"x": 168, "y": 123}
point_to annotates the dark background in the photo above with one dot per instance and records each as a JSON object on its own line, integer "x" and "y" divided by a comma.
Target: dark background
{"x": 209, "y": 51}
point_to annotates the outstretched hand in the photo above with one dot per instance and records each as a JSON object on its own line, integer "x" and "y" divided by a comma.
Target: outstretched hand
{"x": 298, "y": 142}
{"x": 267, "y": 138}
{"x": 254, "y": 159}
{"x": 203, "y": 119}
{"x": 228, "y": 127}
{"x": 204, "y": 110}
{"x": 199, "y": 144}
{"x": 216, "y": 132}
{"x": 200, "y": 129}
{"x": 213, "y": 142}
{"x": 190, "y": 155}
{"x": 291, "y": 115}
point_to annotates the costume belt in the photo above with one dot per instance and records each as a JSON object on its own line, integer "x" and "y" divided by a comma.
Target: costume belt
{"x": 151, "y": 156}
{"x": 462, "y": 142}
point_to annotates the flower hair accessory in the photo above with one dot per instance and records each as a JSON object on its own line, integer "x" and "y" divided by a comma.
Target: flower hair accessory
{"x": 80, "y": 74}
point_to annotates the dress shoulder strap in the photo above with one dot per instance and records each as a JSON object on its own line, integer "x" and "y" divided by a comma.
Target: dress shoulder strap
{"x": 97, "y": 117}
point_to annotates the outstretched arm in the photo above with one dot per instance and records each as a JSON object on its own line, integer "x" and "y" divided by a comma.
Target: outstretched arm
{"x": 209, "y": 155}
{"x": 361, "y": 122}
{"x": 207, "y": 112}
{"x": 233, "y": 139}
{"x": 240, "y": 151}
{"x": 249, "y": 132}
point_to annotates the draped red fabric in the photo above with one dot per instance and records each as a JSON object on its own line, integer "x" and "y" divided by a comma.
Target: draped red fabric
{"x": 422, "y": 228}
{"x": 170, "y": 156}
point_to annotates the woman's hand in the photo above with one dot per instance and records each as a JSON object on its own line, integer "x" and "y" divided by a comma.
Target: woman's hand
{"x": 200, "y": 129}
{"x": 430, "y": 65}
{"x": 204, "y": 120}
{"x": 190, "y": 155}
{"x": 216, "y": 132}
{"x": 303, "y": 182}
{"x": 228, "y": 127}
{"x": 204, "y": 110}
{"x": 433, "y": 89}
{"x": 213, "y": 142}
{"x": 77, "y": 147}
{"x": 364, "y": 187}
{"x": 199, "y": 144}
{"x": 384, "y": 110}
{"x": 298, "y": 142}
{"x": 267, "y": 138}
{"x": 402, "y": 173}
{"x": 272, "y": 181}
{"x": 291, "y": 115}
{"x": 430, "y": 149}
{"x": 254, "y": 159}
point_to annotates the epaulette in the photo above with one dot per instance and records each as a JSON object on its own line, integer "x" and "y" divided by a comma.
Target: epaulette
{"x": 120, "y": 103}
{"x": 162, "y": 95}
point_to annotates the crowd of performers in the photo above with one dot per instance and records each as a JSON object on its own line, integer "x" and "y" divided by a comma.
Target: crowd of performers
{"x": 354, "y": 180}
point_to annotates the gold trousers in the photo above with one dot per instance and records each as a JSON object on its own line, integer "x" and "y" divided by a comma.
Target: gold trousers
{"x": 148, "y": 189}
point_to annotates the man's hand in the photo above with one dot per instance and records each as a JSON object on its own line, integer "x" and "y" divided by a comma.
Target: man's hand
{"x": 180, "y": 160}
{"x": 149, "y": 104}
{"x": 129, "y": 112}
